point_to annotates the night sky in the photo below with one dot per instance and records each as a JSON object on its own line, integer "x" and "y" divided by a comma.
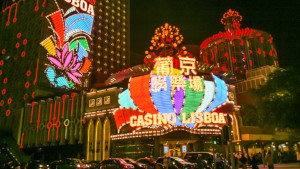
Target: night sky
{"x": 199, "y": 19}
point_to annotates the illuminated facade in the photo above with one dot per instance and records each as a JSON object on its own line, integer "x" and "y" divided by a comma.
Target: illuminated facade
{"x": 168, "y": 103}
{"x": 238, "y": 50}
{"x": 110, "y": 39}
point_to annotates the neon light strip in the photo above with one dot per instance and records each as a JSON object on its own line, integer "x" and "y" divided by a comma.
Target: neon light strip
{"x": 162, "y": 99}
{"x": 57, "y": 122}
{"x": 192, "y": 100}
{"x": 178, "y": 100}
{"x": 140, "y": 93}
{"x": 32, "y": 106}
{"x": 209, "y": 92}
{"x": 36, "y": 71}
{"x": 38, "y": 121}
{"x": 59, "y": 27}
{"x": 21, "y": 146}
{"x": 221, "y": 94}
{"x": 125, "y": 100}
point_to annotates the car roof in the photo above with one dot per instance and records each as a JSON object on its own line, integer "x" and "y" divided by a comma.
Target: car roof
{"x": 199, "y": 153}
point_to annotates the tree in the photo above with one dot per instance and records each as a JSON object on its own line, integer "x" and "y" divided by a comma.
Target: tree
{"x": 278, "y": 100}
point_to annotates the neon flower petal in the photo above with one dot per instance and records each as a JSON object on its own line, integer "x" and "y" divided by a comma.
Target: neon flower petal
{"x": 64, "y": 52}
{"x": 58, "y": 53}
{"x": 55, "y": 61}
{"x": 68, "y": 59}
{"x": 74, "y": 61}
{"x": 73, "y": 77}
{"x": 76, "y": 67}
{"x": 77, "y": 74}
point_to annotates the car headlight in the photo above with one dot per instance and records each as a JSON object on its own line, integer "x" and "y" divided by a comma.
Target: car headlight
{"x": 78, "y": 165}
{"x": 41, "y": 166}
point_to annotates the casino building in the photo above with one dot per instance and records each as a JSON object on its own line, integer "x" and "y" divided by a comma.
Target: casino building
{"x": 166, "y": 107}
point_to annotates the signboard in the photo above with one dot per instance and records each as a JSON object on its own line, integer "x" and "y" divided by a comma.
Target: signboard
{"x": 102, "y": 100}
{"x": 172, "y": 97}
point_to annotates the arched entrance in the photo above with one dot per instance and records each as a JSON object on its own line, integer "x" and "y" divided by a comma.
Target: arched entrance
{"x": 98, "y": 140}
{"x": 90, "y": 141}
{"x": 106, "y": 138}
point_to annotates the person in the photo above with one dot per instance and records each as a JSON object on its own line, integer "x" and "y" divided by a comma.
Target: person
{"x": 243, "y": 160}
{"x": 199, "y": 161}
{"x": 279, "y": 156}
{"x": 166, "y": 162}
{"x": 269, "y": 160}
{"x": 254, "y": 162}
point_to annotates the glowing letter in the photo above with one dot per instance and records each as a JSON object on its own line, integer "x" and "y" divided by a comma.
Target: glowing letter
{"x": 91, "y": 10}
{"x": 75, "y": 3}
{"x": 132, "y": 123}
{"x": 222, "y": 118}
{"x": 192, "y": 117}
{"x": 207, "y": 118}
{"x": 215, "y": 117}
{"x": 148, "y": 119}
{"x": 154, "y": 119}
{"x": 140, "y": 121}
{"x": 184, "y": 120}
{"x": 83, "y": 5}
{"x": 68, "y": 1}
{"x": 162, "y": 119}
{"x": 171, "y": 118}
{"x": 187, "y": 65}
{"x": 199, "y": 117}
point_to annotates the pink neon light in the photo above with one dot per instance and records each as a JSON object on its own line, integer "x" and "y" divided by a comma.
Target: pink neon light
{"x": 68, "y": 58}
{"x": 55, "y": 61}
{"x": 73, "y": 77}
{"x": 64, "y": 52}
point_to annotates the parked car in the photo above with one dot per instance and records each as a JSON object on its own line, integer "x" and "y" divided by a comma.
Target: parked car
{"x": 68, "y": 163}
{"x": 206, "y": 157}
{"x": 175, "y": 163}
{"x": 150, "y": 162}
{"x": 38, "y": 164}
{"x": 115, "y": 163}
{"x": 136, "y": 165}
{"x": 95, "y": 164}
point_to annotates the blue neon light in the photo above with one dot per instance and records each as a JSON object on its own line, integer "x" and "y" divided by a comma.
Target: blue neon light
{"x": 125, "y": 100}
{"x": 81, "y": 52}
{"x": 62, "y": 81}
{"x": 50, "y": 74}
{"x": 209, "y": 91}
{"x": 77, "y": 23}
{"x": 221, "y": 94}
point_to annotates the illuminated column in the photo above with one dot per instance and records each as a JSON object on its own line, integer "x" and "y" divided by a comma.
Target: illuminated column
{"x": 98, "y": 140}
{"x": 106, "y": 138}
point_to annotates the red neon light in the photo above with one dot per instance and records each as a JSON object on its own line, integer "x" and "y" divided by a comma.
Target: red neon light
{"x": 270, "y": 53}
{"x": 264, "y": 53}
{"x": 9, "y": 101}
{"x": 32, "y": 95}
{"x": 23, "y": 54}
{"x": 3, "y": 51}
{"x": 212, "y": 53}
{"x": 59, "y": 27}
{"x": 57, "y": 124}
{"x": 19, "y": 35}
{"x": 242, "y": 42}
{"x": 3, "y": 91}
{"x": 38, "y": 121}
{"x": 0, "y": 72}
{"x": 251, "y": 62}
{"x": 36, "y": 71}
{"x": 26, "y": 84}
{"x": 21, "y": 146}
{"x": 49, "y": 125}
{"x": 140, "y": 93}
{"x": 72, "y": 96}
{"x": 28, "y": 73}
{"x": 7, "y": 112}
{"x": 24, "y": 41}
{"x": 83, "y": 120}
{"x": 9, "y": 11}
{"x": 32, "y": 106}
{"x": 233, "y": 60}
{"x": 1, "y": 62}
{"x": 54, "y": 118}
{"x": 5, "y": 80}
{"x": 37, "y": 6}
{"x": 258, "y": 51}
{"x": 271, "y": 40}
{"x": 17, "y": 45}
{"x": 1, "y": 102}
{"x": 261, "y": 39}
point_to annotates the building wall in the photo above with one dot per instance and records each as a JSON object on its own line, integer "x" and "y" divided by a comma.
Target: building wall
{"x": 111, "y": 38}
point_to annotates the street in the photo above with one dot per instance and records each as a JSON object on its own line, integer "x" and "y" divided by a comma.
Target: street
{"x": 287, "y": 165}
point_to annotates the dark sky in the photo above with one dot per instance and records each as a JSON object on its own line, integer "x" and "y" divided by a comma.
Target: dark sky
{"x": 200, "y": 19}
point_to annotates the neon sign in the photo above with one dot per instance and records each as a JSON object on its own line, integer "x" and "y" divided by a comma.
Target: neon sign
{"x": 172, "y": 97}
{"x": 68, "y": 47}
{"x": 83, "y": 5}
{"x": 170, "y": 118}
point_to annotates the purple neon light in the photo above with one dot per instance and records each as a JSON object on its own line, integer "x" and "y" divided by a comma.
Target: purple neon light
{"x": 178, "y": 100}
